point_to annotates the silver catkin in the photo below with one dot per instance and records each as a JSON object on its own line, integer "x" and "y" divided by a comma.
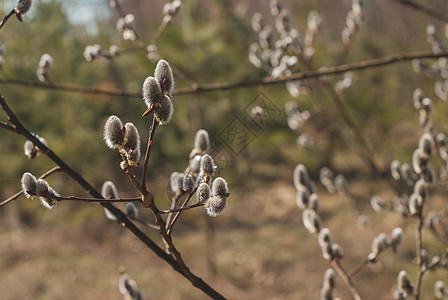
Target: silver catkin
{"x": 131, "y": 210}
{"x": 188, "y": 183}
{"x": 176, "y": 181}
{"x": 203, "y": 192}
{"x": 202, "y": 141}
{"x": 152, "y": 93}
{"x": 164, "y": 74}
{"x": 215, "y": 205}
{"x": 109, "y": 191}
{"x": 113, "y": 135}
{"x": 207, "y": 165}
{"x": 29, "y": 184}
{"x": 22, "y": 6}
{"x": 300, "y": 177}
{"x": 131, "y": 137}
{"x": 164, "y": 111}
{"x": 219, "y": 187}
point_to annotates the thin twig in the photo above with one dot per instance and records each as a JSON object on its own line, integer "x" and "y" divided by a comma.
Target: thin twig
{"x": 420, "y": 261}
{"x": 181, "y": 208}
{"x": 429, "y": 11}
{"x": 159, "y": 32}
{"x": 18, "y": 194}
{"x": 337, "y": 266}
{"x": 5, "y": 19}
{"x": 152, "y": 130}
{"x": 171, "y": 225}
{"x": 100, "y": 200}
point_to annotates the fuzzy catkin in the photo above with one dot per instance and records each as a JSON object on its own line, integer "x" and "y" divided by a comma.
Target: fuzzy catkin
{"x": 164, "y": 76}
{"x": 131, "y": 137}
{"x": 22, "y": 6}
{"x": 207, "y": 165}
{"x": 164, "y": 111}
{"x": 188, "y": 183}
{"x": 219, "y": 187}
{"x": 131, "y": 210}
{"x": 109, "y": 190}
{"x": 176, "y": 181}
{"x": 215, "y": 205}
{"x": 300, "y": 177}
{"x": 113, "y": 135}
{"x": 29, "y": 184}
{"x": 152, "y": 92}
{"x": 202, "y": 141}
{"x": 203, "y": 193}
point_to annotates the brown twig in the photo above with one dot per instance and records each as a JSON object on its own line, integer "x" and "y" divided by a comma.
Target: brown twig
{"x": 176, "y": 265}
{"x": 429, "y": 11}
{"x": 181, "y": 208}
{"x": 420, "y": 261}
{"x": 348, "y": 282}
{"x": 96, "y": 200}
{"x": 18, "y": 194}
{"x": 5, "y": 19}
{"x": 171, "y": 225}
{"x": 152, "y": 130}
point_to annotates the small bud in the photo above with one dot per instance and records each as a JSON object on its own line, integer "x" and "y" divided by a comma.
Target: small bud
{"x": 207, "y": 165}
{"x": 176, "y": 181}
{"x": 215, "y": 205}
{"x": 341, "y": 184}
{"x": 109, "y": 191}
{"x": 313, "y": 203}
{"x": 188, "y": 183}
{"x": 202, "y": 141}
{"x": 195, "y": 164}
{"x": 311, "y": 221}
{"x": 29, "y": 149}
{"x": 420, "y": 189}
{"x": 395, "y": 169}
{"x": 113, "y": 135}
{"x": 439, "y": 290}
{"x": 131, "y": 137}
{"x": 302, "y": 197}
{"x": 325, "y": 243}
{"x": 164, "y": 111}
{"x": 220, "y": 188}
{"x": 22, "y": 6}
{"x": 131, "y": 210}
{"x": 203, "y": 192}
{"x": 415, "y": 204}
{"x": 300, "y": 177}
{"x": 336, "y": 252}
{"x": 29, "y": 184}
{"x": 396, "y": 237}
{"x": 404, "y": 284}
{"x": 379, "y": 243}
{"x": 377, "y": 203}
{"x": 164, "y": 75}
{"x": 419, "y": 161}
{"x": 426, "y": 144}
{"x": 133, "y": 157}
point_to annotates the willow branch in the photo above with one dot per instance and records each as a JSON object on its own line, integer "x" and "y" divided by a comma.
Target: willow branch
{"x": 196, "y": 281}
{"x": 210, "y": 87}
{"x": 6, "y": 126}
{"x": 100, "y": 200}
{"x": 181, "y": 208}
{"x": 152, "y": 130}
{"x": 18, "y": 194}
{"x": 337, "y": 266}
{"x": 171, "y": 225}
{"x": 429, "y": 11}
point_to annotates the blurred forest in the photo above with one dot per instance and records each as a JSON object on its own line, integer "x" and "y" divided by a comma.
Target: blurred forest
{"x": 258, "y": 249}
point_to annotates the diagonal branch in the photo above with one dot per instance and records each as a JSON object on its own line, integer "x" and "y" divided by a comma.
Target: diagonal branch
{"x": 195, "y": 280}
{"x": 427, "y": 10}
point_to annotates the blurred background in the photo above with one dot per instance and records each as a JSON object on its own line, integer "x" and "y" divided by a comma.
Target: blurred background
{"x": 259, "y": 248}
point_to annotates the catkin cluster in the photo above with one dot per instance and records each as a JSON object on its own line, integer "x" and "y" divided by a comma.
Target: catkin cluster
{"x": 353, "y": 21}
{"x": 124, "y": 138}
{"x": 197, "y": 178}
{"x": 272, "y": 53}
{"x": 32, "y": 150}
{"x": 126, "y": 27}
{"x": 39, "y": 188}
{"x": 157, "y": 92}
